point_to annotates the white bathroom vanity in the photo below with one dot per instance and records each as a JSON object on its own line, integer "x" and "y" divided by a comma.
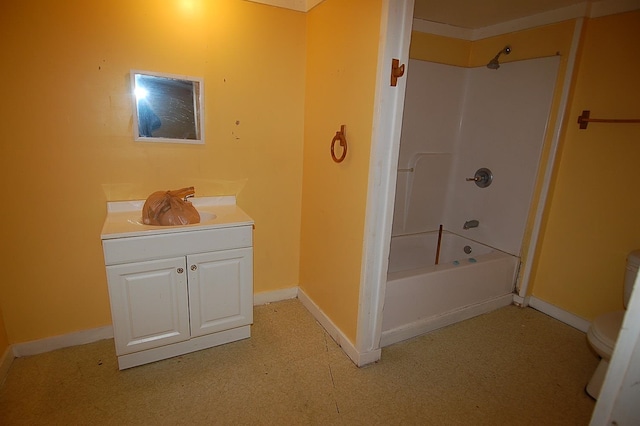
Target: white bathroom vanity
{"x": 178, "y": 289}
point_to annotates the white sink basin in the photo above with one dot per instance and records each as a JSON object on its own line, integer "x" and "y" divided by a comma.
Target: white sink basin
{"x": 204, "y": 217}
{"x": 124, "y": 218}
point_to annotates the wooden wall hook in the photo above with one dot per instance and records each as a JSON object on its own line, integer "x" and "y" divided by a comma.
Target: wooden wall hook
{"x": 397, "y": 71}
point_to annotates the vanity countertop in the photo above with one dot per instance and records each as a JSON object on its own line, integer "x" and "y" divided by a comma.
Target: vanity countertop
{"x": 124, "y": 218}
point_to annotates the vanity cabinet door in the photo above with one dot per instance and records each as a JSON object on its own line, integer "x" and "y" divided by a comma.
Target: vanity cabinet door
{"x": 220, "y": 290}
{"x": 149, "y": 304}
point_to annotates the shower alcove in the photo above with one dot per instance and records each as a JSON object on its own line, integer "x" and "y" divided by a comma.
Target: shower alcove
{"x": 456, "y": 121}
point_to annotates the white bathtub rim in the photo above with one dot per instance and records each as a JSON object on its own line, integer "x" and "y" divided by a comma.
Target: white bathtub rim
{"x": 463, "y": 236}
{"x": 494, "y": 256}
{"x": 453, "y": 234}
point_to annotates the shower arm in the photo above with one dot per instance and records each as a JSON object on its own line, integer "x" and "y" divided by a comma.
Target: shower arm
{"x": 506, "y": 51}
{"x": 494, "y": 63}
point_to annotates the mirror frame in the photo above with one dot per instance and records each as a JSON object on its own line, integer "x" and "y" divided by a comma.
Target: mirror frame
{"x": 198, "y": 110}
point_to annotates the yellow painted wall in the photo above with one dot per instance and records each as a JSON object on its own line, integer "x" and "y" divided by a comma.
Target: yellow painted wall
{"x": 547, "y": 40}
{"x": 536, "y": 42}
{"x": 342, "y": 49}
{"x": 593, "y": 215}
{"x": 4, "y": 340}
{"x": 67, "y": 144}
{"x": 439, "y": 49}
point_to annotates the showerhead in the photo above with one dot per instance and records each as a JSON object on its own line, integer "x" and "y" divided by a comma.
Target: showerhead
{"x": 494, "y": 64}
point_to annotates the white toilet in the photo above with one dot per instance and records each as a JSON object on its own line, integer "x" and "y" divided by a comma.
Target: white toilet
{"x": 603, "y": 333}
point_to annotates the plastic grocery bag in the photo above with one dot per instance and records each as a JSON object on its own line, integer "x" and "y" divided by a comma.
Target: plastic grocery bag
{"x": 167, "y": 208}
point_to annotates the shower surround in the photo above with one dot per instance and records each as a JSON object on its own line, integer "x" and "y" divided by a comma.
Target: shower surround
{"x": 456, "y": 121}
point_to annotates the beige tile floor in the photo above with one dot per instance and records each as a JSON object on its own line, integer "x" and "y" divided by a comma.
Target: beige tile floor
{"x": 510, "y": 367}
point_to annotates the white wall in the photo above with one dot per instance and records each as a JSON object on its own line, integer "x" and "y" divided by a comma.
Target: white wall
{"x": 467, "y": 119}
{"x": 430, "y": 125}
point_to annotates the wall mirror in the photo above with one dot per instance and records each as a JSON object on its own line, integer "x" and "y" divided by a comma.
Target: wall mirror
{"x": 167, "y": 108}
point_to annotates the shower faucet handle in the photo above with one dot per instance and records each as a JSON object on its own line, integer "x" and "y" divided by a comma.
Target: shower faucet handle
{"x": 482, "y": 178}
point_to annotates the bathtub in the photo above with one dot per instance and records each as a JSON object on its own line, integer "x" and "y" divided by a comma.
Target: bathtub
{"x": 421, "y": 296}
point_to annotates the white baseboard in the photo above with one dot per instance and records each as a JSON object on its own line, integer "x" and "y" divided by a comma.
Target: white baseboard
{"x": 93, "y": 335}
{"x": 426, "y": 325}
{"x": 5, "y": 363}
{"x": 559, "y": 314}
{"x": 518, "y": 300}
{"x": 274, "y": 296}
{"x": 58, "y": 342}
{"x": 359, "y": 358}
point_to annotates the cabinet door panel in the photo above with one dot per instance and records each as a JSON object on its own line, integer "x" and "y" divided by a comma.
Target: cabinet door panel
{"x": 149, "y": 304}
{"x": 220, "y": 290}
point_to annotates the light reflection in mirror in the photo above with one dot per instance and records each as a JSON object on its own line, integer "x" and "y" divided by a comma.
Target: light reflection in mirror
{"x": 167, "y": 108}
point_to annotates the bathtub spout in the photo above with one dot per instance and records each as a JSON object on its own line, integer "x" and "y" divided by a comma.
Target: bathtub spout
{"x": 470, "y": 224}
